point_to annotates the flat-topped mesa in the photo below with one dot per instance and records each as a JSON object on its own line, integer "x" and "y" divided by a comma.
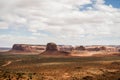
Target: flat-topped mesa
{"x": 22, "y": 47}
{"x": 27, "y": 47}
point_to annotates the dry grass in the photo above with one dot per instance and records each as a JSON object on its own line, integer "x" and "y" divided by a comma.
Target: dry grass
{"x": 34, "y": 67}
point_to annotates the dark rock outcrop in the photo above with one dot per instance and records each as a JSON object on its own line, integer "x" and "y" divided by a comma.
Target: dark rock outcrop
{"x": 51, "y": 47}
{"x": 81, "y": 48}
{"x": 52, "y": 50}
{"x": 118, "y": 50}
{"x": 103, "y": 48}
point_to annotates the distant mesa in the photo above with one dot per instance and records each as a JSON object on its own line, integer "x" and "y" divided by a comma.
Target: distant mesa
{"x": 52, "y": 50}
{"x": 103, "y": 48}
{"x": 51, "y": 47}
{"x": 80, "y": 48}
{"x": 28, "y": 48}
{"x": 22, "y": 47}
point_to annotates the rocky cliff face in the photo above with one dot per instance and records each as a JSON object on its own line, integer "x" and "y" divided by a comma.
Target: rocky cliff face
{"x": 66, "y": 48}
{"x": 41, "y": 48}
{"x": 51, "y": 47}
{"x": 80, "y": 48}
{"x": 102, "y": 48}
{"x": 22, "y": 47}
{"x": 27, "y": 48}
{"x": 53, "y": 50}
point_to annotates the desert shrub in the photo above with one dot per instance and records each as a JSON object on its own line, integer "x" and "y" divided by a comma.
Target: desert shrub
{"x": 115, "y": 63}
{"x": 78, "y": 67}
{"x": 75, "y": 78}
{"x": 87, "y": 78}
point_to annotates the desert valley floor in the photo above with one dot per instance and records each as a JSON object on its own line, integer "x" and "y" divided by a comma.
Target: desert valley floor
{"x": 37, "y": 67}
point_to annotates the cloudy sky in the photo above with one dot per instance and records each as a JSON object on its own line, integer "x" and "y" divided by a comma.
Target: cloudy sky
{"x": 74, "y": 22}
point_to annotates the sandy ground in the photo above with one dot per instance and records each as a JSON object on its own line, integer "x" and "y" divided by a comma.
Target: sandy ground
{"x": 6, "y": 64}
{"x": 10, "y": 62}
{"x": 92, "y": 53}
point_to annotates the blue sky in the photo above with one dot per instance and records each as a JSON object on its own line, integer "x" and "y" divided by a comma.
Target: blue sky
{"x": 114, "y": 3}
{"x": 80, "y": 22}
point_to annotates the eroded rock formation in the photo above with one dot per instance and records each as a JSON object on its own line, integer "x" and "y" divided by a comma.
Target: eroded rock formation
{"x": 27, "y": 48}
{"x": 80, "y": 48}
{"x": 52, "y": 50}
{"x": 22, "y": 47}
{"x": 51, "y": 47}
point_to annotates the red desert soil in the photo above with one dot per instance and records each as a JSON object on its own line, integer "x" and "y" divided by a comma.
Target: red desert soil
{"x": 93, "y": 53}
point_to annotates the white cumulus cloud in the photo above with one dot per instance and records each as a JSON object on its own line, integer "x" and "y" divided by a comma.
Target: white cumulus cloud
{"x": 63, "y": 21}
